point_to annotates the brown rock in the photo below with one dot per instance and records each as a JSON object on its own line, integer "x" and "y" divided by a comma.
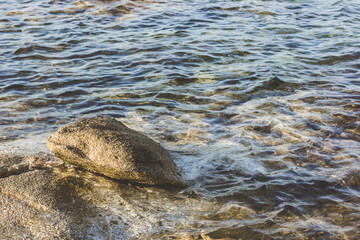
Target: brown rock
{"x": 352, "y": 179}
{"x": 108, "y": 147}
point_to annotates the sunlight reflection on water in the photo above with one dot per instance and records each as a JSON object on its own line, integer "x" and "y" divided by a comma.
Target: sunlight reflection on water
{"x": 257, "y": 101}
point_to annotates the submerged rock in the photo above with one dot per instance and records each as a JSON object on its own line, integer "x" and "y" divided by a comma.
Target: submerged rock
{"x": 352, "y": 179}
{"x": 106, "y": 146}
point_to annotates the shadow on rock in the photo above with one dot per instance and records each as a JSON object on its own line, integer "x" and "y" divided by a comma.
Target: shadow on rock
{"x": 50, "y": 204}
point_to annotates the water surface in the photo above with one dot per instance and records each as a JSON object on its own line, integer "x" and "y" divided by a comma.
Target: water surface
{"x": 258, "y": 102}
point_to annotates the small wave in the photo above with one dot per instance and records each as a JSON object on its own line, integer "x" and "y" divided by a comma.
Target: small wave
{"x": 120, "y": 10}
{"x": 16, "y": 87}
{"x": 333, "y": 60}
{"x": 68, "y": 11}
{"x": 275, "y": 84}
{"x": 73, "y": 93}
{"x": 74, "y": 56}
{"x": 33, "y": 48}
{"x": 183, "y": 98}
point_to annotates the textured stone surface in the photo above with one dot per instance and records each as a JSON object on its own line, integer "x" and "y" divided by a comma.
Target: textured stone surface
{"x": 14, "y": 165}
{"x": 40, "y": 202}
{"x": 108, "y": 147}
{"x": 53, "y": 201}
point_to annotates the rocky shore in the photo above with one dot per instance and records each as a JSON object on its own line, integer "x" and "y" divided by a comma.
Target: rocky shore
{"x": 47, "y": 197}
{"x": 106, "y": 181}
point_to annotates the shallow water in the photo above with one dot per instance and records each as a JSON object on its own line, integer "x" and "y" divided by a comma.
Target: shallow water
{"x": 258, "y": 102}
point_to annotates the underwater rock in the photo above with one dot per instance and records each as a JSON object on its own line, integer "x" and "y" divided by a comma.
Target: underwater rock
{"x": 106, "y": 146}
{"x": 352, "y": 179}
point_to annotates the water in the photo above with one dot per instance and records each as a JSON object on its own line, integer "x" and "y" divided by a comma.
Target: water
{"x": 258, "y": 102}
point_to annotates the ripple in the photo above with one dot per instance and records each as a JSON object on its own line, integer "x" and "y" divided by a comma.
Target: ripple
{"x": 257, "y": 102}
{"x": 332, "y": 60}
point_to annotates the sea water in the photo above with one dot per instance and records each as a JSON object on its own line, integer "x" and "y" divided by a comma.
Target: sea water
{"x": 258, "y": 102}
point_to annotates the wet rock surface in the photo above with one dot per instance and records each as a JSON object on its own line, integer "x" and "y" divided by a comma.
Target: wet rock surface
{"x": 42, "y": 202}
{"x": 43, "y": 198}
{"x": 14, "y": 165}
{"x": 106, "y": 146}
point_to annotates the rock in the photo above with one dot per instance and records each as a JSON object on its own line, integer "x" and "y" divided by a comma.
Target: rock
{"x": 50, "y": 203}
{"x": 14, "y": 165}
{"x": 352, "y": 179}
{"x": 106, "y": 146}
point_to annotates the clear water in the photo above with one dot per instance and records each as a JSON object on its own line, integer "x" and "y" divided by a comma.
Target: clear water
{"x": 258, "y": 102}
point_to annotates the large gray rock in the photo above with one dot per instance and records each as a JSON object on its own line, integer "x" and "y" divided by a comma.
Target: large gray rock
{"x": 106, "y": 146}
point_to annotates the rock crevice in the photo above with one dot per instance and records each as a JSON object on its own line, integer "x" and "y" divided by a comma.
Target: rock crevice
{"x": 15, "y": 165}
